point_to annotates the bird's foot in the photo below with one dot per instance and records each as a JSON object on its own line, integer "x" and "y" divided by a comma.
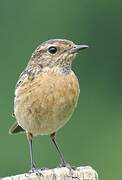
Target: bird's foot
{"x": 65, "y": 164}
{"x": 43, "y": 168}
{"x": 36, "y": 170}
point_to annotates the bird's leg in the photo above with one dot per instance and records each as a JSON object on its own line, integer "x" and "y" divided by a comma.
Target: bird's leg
{"x": 33, "y": 166}
{"x": 63, "y": 162}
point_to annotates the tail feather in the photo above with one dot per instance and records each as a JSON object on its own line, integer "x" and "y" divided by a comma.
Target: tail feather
{"x": 15, "y": 128}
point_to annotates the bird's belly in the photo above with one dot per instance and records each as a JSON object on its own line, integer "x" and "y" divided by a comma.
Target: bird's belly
{"x": 45, "y": 104}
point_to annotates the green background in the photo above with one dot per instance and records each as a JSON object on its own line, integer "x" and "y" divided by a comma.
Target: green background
{"x": 94, "y": 134}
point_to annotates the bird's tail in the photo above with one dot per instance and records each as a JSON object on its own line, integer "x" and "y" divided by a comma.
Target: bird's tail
{"x": 15, "y": 128}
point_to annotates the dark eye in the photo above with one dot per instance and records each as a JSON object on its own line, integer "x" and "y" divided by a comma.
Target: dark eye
{"x": 52, "y": 50}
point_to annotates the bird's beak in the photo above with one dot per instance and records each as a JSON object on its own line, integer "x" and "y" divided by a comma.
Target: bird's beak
{"x": 77, "y": 48}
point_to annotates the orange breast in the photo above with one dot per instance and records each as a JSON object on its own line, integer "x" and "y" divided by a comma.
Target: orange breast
{"x": 46, "y": 103}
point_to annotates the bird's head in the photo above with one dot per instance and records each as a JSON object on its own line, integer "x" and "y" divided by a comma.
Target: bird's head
{"x": 56, "y": 52}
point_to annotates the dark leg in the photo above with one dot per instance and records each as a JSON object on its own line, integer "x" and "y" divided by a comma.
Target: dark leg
{"x": 33, "y": 166}
{"x": 34, "y": 169}
{"x": 63, "y": 162}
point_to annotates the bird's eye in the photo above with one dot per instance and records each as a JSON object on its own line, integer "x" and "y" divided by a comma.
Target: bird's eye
{"x": 52, "y": 50}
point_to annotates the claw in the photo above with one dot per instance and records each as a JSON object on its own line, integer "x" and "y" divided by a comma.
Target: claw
{"x": 64, "y": 164}
{"x": 36, "y": 171}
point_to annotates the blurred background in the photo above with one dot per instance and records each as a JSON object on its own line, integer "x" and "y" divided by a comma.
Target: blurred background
{"x": 94, "y": 134}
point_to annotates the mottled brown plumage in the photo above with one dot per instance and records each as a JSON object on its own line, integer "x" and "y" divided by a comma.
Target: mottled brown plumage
{"x": 47, "y": 91}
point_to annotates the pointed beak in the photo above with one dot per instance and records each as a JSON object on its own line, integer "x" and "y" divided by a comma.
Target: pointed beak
{"x": 77, "y": 48}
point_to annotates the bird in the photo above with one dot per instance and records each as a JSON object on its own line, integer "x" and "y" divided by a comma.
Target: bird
{"x": 47, "y": 92}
